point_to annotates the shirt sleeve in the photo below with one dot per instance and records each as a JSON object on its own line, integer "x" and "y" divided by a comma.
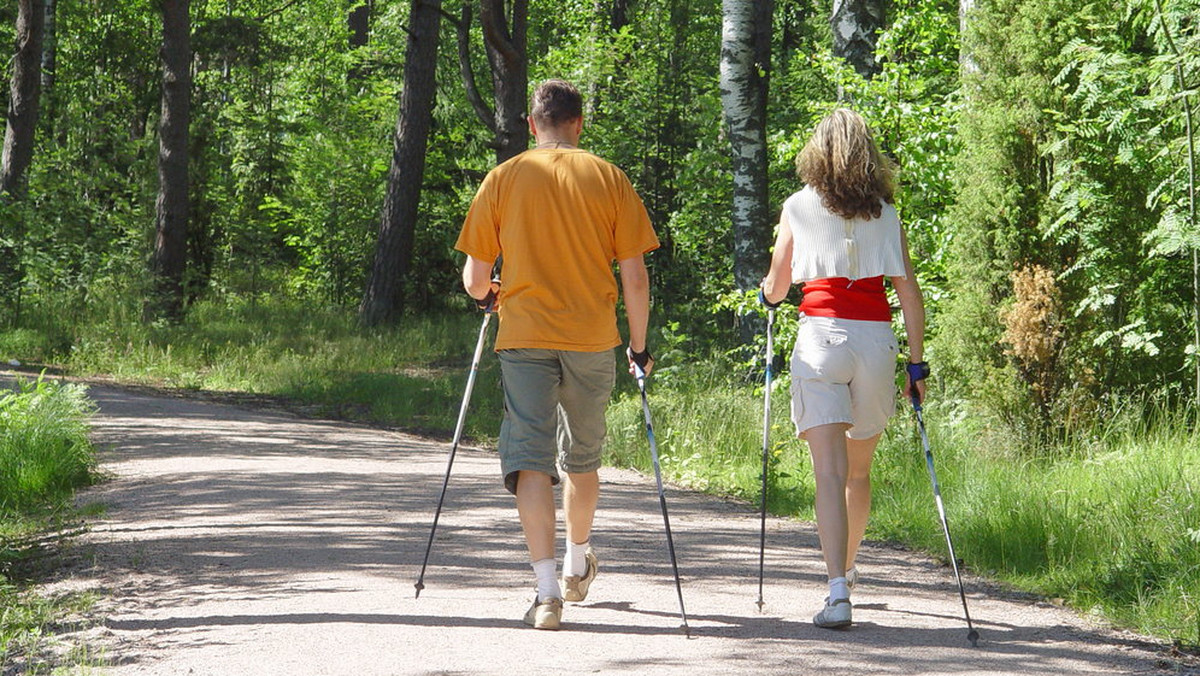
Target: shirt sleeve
{"x": 480, "y": 234}
{"x": 634, "y": 232}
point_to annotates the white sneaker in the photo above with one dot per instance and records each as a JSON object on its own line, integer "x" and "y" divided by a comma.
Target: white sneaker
{"x": 577, "y": 586}
{"x": 545, "y": 614}
{"x": 834, "y": 615}
{"x": 852, "y": 577}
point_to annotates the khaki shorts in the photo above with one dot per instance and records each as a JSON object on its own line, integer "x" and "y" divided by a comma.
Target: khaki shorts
{"x": 554, "y": 402}
{"x": 843, "y": 371}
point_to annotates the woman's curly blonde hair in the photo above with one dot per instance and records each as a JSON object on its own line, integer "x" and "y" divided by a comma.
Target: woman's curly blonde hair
{"x": 843, "y": 163}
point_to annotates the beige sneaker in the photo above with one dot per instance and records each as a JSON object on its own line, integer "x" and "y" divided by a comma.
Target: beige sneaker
{"x": 576, "y": 586}
{"x": 545, "y": 615}
{"x": 834, "y": 615}
{"x": 852, "y": 577}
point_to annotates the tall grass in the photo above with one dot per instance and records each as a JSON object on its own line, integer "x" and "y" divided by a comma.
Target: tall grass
{"x": 44, "y": 455}
{"x": 411, "y": 376}
{"x": 44, "y": 449}
{"x": 1111, "y": 523}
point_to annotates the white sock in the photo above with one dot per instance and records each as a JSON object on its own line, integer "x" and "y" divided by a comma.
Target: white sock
{"x": 547, "y": 579}
{"x": 838, "y": 589}
{"x": 575, "y": 563}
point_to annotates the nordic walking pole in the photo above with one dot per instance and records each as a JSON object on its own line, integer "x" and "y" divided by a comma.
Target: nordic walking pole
{"x": 762, "y": 531}
{"x": 640, "y": 374}
{"x": 972, "y": 635}
{"x": 458, "y": 428}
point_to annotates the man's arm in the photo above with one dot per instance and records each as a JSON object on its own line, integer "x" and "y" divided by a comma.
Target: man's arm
{"x": 477, "y": 279}
{"x": 635, "y": 288}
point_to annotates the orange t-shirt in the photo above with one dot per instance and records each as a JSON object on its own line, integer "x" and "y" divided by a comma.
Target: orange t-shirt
{"x": 560, "y": 217}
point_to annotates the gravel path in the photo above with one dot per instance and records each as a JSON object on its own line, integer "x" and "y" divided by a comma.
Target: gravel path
{"x": 252, "y": 543}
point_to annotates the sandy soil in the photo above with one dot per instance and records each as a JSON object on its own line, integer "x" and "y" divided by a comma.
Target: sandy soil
{"x": 255, "y": 543}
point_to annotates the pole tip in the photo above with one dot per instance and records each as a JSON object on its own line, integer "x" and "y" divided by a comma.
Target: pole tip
{"x": 687, "y": 631}
{"x": 760, "y": 604}
{"x": 419, "y": 585}
{"x": 973, "y": 637}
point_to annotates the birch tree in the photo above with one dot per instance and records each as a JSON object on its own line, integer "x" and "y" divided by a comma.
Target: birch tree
{"x": 383, "y": 300}
{"x": 744, "y": 77}
{"x": 856, "y": 25}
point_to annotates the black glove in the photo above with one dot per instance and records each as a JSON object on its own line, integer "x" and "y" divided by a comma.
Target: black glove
{"x": 762, "y": 298}
{"x": 918, "y": 371}
{"x": 640, "y": 358}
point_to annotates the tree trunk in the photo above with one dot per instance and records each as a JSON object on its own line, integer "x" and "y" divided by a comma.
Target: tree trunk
{"x": 359, "y": 22}
{"x": 966, "y": 63}
{"x": 744, "y": 79}
{"x": 49, "y": 62}
{"x": 383, "y": 300}
{"x": 23, "y": 99}
{"x": 618, "y": 15}
{"x": 172, "y": 209}
{"x": 510, "y": 73}
{"x": 856, "y": 25}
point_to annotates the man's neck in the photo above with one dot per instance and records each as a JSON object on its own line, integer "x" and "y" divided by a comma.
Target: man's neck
{"x": 554, "y": 142}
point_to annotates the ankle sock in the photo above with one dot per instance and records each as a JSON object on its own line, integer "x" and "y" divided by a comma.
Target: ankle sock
{"x": 575, "y": 561}
{"x": 547, "y": 579}
{"x": 838, "y": 589}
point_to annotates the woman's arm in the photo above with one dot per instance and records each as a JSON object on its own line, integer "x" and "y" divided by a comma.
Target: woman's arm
{"x": 912, "y": 305}
{"x": 779, "y": 278}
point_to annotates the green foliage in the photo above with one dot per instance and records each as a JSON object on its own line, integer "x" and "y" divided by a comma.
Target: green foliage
{"x": 1109, "y": 523}
{"x": 1065, "y": 157}
{"x": 710, "y": 436}
{"x": 44, "y": 448}
{"x": 410, "y": 376}
{"x": 1106, "y": 524}
{"x": 27, "y": 622}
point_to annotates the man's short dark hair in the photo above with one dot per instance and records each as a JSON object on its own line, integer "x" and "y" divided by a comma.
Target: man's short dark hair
{"x": 554, "y": 103}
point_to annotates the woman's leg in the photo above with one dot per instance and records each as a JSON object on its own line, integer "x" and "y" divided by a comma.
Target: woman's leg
{"x": 827, "y": 445}
{"x": 859, "y": 453}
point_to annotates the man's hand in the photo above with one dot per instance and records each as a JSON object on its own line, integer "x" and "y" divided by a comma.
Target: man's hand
{"x": 639, "y": 360}
{"x": 488, "y": 302}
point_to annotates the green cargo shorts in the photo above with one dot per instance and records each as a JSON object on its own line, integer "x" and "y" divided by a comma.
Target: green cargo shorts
{"x": 554, "y": 402}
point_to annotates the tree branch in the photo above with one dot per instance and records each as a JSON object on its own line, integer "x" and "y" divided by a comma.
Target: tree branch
{"x": 495, "y": 30}
{"x": 485, "y": 114}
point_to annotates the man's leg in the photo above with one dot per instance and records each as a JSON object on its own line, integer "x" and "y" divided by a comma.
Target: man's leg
{"x": 581, "y": 494}
{"x": 535, "y": 505}
{"x": 588, "y": 379}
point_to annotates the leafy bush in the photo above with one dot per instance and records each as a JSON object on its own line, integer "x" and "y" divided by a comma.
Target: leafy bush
{"x": 44, "y": 448}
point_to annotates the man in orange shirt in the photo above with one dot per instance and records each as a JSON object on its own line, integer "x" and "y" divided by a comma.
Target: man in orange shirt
{"x": 559, "y": 216}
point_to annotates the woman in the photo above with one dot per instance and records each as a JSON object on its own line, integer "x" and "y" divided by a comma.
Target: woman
{"x": 840, "y": 237}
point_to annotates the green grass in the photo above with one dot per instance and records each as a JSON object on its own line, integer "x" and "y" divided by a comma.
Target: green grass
{"x": 44, "y": 449}
{"x": 1109, "y": 523}
{"x": 44, "y": 456}
{"x": 410, "y": 376}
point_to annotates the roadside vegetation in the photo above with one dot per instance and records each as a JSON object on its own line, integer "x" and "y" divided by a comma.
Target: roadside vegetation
{"x": 45, "y": 455}
{"x": 1108, "y": 520}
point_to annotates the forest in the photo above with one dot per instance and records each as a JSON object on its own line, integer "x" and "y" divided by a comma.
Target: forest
{"x": 205, "y": 177}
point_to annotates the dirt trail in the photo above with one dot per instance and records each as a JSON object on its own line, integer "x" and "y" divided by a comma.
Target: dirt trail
{"x": 252, "y": 543}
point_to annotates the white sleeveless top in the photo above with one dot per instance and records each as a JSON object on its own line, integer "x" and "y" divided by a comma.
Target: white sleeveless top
{"x": 828, "y": 245}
